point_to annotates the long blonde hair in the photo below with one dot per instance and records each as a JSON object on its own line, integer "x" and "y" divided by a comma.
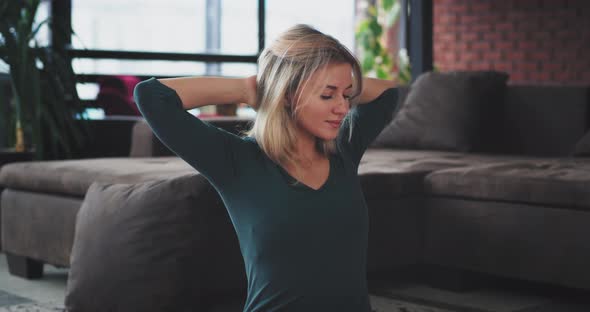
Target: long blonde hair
{"x": 285, "y": 67}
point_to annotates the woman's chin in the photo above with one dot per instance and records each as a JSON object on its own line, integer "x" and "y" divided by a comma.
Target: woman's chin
{"x": 328, "y": 136}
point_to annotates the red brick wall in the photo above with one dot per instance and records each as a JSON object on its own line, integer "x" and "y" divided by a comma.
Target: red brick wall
{"x": 535, "y": 41}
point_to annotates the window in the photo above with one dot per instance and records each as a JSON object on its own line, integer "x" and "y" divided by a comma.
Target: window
{"x": 217, "y": 27}
{"x": 166, "y": 26}
{"x": 190, "y": 37}
{"x": 333, "y": 17}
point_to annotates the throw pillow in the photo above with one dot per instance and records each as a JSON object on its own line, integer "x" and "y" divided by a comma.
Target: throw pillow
{"x": 447, "y": 111}
{"x": 582, "y": 148}
{"x": 137, "y": 248}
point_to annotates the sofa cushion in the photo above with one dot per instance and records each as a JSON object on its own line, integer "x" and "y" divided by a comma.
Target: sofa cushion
{"x": 73, "y": 177}
{"x": 545, "y": 181}
{"x": 447, "y": 111}
{"x": 544, "y": 120}
{"x": 394, "y": 173}
{"x": 149, "y": 247}
{"x": 582, "y": 148}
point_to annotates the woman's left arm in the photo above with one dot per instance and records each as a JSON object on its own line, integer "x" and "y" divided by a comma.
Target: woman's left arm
{"x": 379, "y": 99}
{"x": 373, "y": 87}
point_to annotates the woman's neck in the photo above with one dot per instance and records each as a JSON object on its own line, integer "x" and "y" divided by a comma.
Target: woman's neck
{"x": 306, "y": 152}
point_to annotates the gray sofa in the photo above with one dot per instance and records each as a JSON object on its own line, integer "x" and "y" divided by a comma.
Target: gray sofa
{"x": 520, "y": 211}
{"x": 41, "y": 199}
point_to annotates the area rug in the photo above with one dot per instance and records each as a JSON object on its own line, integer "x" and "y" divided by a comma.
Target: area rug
{"x": 8, "y": 299}
{"x": 487, "y": 301}
{"x": 14, "y": 303}
{"x": 384, "y": 302}
{"x": 32, "y": 307}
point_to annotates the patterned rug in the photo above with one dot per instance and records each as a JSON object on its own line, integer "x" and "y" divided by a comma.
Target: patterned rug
{"x": 32, "y": 307}
{"x": 559, "y": 300}
{"x": 384, "y": 304}
{"x": 13, "y": 303}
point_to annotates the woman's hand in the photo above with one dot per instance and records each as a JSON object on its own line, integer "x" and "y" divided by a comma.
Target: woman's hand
{"x": 201, "y": 91}
{"x": 373, "y": 87}
{"x": 250, "y": 92}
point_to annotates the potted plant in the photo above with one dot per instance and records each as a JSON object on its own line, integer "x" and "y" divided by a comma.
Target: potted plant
{"x": 375, "y": 58}
{"x": 46, "y": 112}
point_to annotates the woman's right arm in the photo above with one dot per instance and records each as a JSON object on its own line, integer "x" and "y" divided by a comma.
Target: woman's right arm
{"x": 201, "y": 91}
{"x": 212, "y": 151}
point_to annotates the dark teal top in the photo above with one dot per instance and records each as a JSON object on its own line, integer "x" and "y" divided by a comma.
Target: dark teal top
{"x": 304, "y": 250}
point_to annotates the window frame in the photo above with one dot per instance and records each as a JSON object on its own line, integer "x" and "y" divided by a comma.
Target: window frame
{"x": 61, "y": 13}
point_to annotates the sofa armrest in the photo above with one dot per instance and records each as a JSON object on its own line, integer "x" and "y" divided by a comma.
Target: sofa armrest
{"x": 145, "y": 144}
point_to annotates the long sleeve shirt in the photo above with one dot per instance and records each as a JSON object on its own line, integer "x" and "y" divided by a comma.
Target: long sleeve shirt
{"x": 304, "y": 249}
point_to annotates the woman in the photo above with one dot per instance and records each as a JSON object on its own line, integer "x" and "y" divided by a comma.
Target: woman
{"x": 290, "y": 185}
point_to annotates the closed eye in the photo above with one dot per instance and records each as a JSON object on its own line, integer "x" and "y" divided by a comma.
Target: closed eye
{"x": 327, "y": 97}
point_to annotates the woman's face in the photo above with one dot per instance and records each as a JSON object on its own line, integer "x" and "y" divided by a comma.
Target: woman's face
{"x": 324, "y": 101}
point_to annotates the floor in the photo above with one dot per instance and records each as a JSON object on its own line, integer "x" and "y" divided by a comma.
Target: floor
{"x": 51, "y": 288}
{"x": 500, "y": 297}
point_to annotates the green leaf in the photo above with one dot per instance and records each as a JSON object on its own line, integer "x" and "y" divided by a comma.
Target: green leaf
{"x": 375, "y": 28}
{"x": 365, "y": 41}
{"x": 405, "y": 74}
{"x": 362, "y": 38}
{"x": 376, "y": 47}
{"x": 363, "y": 27}
{"x": 387, "y": 4}
{"x": 392, "y": 15}
{"x": 382, "y": 73}
{"x": 368, "y": 61}
{"x": 385, "y": 58}
{"x": 37, "y": 28}
{"x": 372, "y": 11}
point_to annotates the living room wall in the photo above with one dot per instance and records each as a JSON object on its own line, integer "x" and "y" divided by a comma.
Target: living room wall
{"x": 536, "y": 41}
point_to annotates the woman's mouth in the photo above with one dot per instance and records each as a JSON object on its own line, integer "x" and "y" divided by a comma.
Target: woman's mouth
{"x": 334, "y": 124}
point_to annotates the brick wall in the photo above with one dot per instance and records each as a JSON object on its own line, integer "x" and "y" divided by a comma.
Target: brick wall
{"x": 535, "y": 41}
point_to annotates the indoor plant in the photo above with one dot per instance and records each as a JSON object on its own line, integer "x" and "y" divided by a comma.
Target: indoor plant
{"x": 48, "y": 116}
{"x": 376, "y": 60}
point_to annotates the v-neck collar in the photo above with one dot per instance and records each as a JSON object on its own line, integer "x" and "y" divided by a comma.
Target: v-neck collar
{"x": 300, "y": 186}
{"x": 304, "y": 187}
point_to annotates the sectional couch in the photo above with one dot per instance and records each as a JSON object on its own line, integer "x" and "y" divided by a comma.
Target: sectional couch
{"x": 516, "y": 204}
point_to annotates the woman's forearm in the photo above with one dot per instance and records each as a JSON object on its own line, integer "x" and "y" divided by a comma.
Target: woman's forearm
{"x": 373, "y": 87}
{"x": 201, "y": 91}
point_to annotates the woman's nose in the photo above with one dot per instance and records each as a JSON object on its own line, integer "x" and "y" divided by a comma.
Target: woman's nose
{"x": 343, "y": 105}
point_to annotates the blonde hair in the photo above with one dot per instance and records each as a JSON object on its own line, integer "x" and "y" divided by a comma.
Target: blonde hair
{"x": 285, "y": 67}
